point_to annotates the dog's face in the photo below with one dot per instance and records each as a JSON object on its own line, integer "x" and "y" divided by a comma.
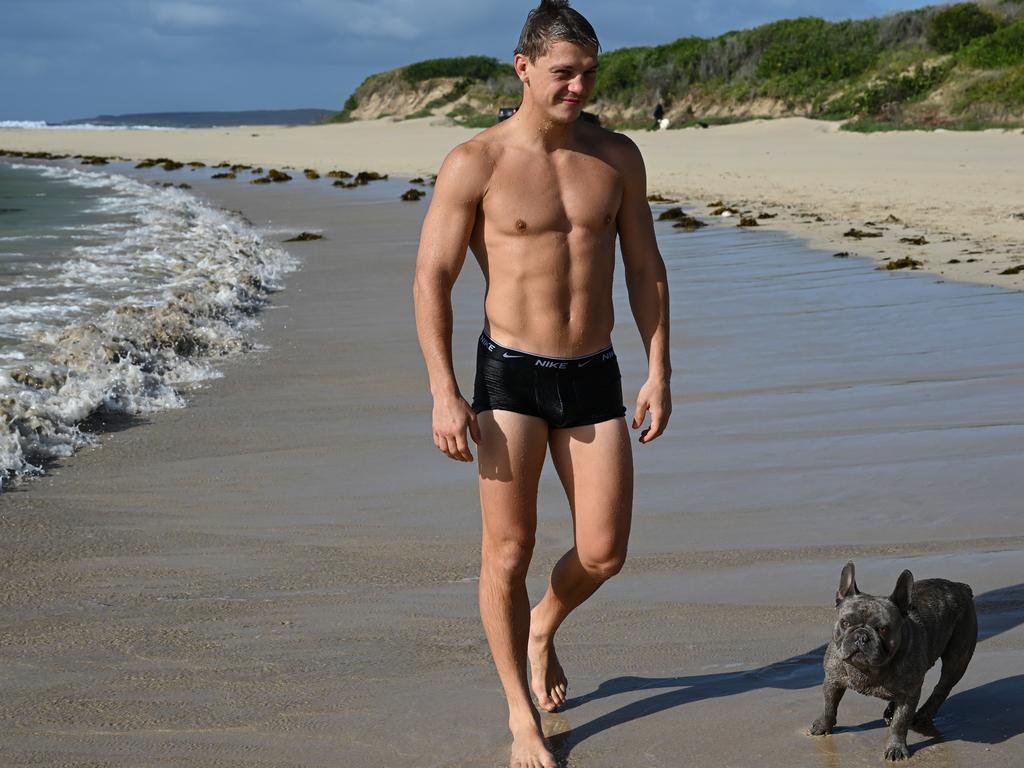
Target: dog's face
{"x": 869, "y": 630}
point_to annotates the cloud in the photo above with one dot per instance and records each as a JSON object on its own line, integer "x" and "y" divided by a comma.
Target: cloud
{"x": 24, "y": 65}
{"x": 399, "y": 20}
{"x": 189, "y": 15}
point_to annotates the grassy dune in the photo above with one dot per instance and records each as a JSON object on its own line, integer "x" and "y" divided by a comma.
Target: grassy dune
{"x": 959, "y": 66}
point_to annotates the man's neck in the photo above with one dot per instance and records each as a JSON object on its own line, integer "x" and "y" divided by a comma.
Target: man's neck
{"x": 539, "y": 130}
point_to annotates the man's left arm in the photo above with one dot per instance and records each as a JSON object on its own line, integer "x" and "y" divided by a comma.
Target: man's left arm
{"x": 647, "y": 284}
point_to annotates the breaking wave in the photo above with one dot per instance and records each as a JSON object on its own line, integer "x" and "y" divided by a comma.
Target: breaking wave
{"x": 130, "y": 321}
{"x": 37, "y": 124}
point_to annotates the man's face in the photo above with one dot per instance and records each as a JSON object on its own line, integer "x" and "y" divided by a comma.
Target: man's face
{"x": 561, "y": 81}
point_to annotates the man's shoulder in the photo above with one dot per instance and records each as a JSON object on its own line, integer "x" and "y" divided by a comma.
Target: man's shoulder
{"x": 478, "y": 151}
{"x": 484, "y": 147}
{"x": 615, "y": 148}
{"x": 469, "y": 166}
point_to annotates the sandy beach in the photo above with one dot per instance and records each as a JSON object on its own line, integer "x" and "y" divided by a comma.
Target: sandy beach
{"x": 961, "y": 192}
{"x": 283, "y": 573}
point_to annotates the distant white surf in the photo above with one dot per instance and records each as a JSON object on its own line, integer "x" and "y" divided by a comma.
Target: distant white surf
{"x": 80, "y": 126}
{"x": 121, "y": 322}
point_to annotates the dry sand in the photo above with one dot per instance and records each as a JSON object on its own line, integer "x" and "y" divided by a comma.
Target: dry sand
{"x": 963, "y": 192}
{"x": 283, "y": 574}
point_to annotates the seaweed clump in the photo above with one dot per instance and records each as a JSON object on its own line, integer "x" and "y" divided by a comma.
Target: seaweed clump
{"x": 688, "y": 223}
{"x": 671, "y": 214}
{"x": 725, "y": 210}
{"x": 303, "y": 237}
{"x": 905, "y": 263}
{"x": 361, "y": 179}
{"x": 413, "y": 195}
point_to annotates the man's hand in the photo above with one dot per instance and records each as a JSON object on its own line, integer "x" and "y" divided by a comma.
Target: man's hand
{"x": 452, "y": 415}
{"x": 655, "y": 396}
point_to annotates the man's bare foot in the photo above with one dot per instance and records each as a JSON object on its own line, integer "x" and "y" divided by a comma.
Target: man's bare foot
{"x": 529, "y": 750}
{"x": 547, "y": 679}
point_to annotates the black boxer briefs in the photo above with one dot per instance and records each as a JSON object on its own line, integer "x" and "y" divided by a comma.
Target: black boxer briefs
{"x": 563, "y": 391}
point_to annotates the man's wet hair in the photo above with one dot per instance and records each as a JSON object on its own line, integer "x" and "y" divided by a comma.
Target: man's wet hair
{"x": 551, "y": 21}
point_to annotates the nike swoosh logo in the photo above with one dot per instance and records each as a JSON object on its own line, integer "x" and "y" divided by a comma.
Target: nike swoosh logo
{"x": 506, "y": 354}
{"x": 588, "y": 362}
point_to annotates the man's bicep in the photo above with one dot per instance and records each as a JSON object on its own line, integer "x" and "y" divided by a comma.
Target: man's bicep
{"x": 636, "y": 224}
{"x": 449, "y": 223}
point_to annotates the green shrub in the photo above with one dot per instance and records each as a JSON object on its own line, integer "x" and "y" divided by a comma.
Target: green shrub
{"x": 810, "y": 44}
{"x": 469, "y": 117}
{"x": 473, "y": 67}
{"x": 957, "y": 25}
{"x": 804, "y": 55}
{"x": 1005, "y": 90}
{"x": 889, "y": 92}
{"x": 786, "y": 58}
{"x": 619, "y": 71}
{"x": 456, "y": 93}
{"x": 345, "y": 116}
{"x": 1004, "y": 48}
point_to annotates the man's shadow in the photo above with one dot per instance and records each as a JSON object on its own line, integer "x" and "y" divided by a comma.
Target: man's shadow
{"x": 988, "y": 714}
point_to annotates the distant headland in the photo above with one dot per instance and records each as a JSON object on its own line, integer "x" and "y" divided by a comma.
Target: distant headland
{"x": 204, "y": 119}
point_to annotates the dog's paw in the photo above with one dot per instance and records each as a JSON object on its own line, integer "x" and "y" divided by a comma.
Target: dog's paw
{"x": 821, "y": 726}
{"x": 895, "y": 752}
{"x": 889, "y": 712}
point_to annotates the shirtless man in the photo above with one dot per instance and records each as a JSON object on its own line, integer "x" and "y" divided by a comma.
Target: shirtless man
{"x": 540, "y": 199}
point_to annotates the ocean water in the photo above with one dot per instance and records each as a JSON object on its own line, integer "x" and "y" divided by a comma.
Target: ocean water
{"x": 114, "y": 296}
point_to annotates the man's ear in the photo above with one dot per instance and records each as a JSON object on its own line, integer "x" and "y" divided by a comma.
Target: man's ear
{"x": 520, "y": 63}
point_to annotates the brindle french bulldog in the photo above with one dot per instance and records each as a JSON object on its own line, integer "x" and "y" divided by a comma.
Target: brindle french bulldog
{"x": 884, "y": 646}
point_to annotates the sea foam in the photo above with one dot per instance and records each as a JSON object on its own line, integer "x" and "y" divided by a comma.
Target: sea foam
{"x": 38, "y": 124}
{"x": 131, "y": 321}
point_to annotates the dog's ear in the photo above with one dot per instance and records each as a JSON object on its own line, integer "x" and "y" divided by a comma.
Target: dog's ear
{"x": 903, "y": 595}
{"x": 847, "y": 583}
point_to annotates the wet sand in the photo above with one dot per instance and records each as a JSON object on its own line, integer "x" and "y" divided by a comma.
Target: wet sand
{"x": 283, "y": 574}
{"x": 958, "y": 195}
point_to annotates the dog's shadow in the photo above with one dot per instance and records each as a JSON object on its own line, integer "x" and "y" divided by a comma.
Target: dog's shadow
{"x": 987, "y": 714}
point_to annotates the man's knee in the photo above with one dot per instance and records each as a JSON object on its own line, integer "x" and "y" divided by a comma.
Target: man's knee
{"x": 507, "y": 558}
{"x": 602, "y": 563}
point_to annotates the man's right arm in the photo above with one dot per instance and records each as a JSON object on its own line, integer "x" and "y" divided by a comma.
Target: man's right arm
{"x": 444, "y": 240}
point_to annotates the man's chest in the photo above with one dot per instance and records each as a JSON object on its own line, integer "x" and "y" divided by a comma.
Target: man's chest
{"x": 531, "y": 198}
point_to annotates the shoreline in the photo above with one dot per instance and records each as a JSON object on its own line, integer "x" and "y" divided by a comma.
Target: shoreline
{"x": 957, "y": 191}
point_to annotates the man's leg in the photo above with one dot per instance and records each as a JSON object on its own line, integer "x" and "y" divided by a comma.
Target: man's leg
{"x": 595, "y": 464}
{"x": 511, "y": 455}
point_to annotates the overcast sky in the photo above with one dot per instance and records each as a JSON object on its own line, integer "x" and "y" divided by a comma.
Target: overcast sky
{"x": 62, "y": 59}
